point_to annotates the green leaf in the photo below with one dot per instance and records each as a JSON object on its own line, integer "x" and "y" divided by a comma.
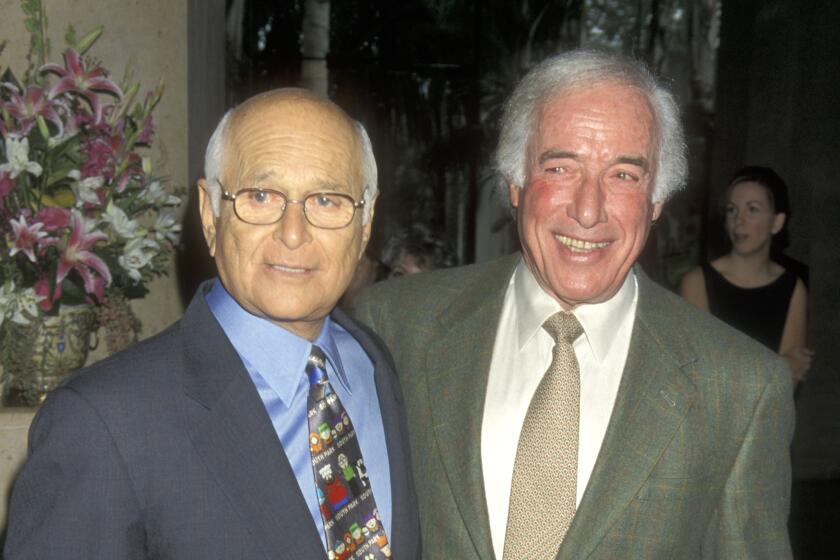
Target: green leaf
{"x": 72, "y": 293}
{"x": 70, "y": 36}
{"x": 59, "y": 175}
{"x": 42, "y": 127}
{"x": 88, "y": 40}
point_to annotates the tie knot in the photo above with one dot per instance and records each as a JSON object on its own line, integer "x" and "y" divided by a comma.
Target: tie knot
{"x": 563, "y": 326}
{"x": 317, "y": 357}
{"x": 316, "y": 367}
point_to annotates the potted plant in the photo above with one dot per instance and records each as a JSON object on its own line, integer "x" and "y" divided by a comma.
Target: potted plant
{"x": 84, "y": 222}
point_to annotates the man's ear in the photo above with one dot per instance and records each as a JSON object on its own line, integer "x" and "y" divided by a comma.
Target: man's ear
{"x": 366, "y": 229}
{"x": 208, "y": 219}
{"x": 514, "y": 191}
{"x": 779, "y": 222}
{"x": 657, "y": 211}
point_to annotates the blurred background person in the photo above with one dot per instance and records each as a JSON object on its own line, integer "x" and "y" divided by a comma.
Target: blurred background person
{"x": 417, "y": 249}
{"x": 748, "y": 288}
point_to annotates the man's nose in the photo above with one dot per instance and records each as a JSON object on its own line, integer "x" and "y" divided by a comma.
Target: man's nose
{"x": 587, "y": 205}
{"x": 293, "y": 228}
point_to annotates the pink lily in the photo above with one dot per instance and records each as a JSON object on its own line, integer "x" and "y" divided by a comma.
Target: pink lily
{"x": 53, "y": 218}
{"x": 42, "y": 288}
{"x": 148, "y": 130}
{"x": 32, "y": 104}
{"x": 86, "y": 82}
{"x": 101, "y": 157}
{"x": 6, "y": 184}
{"x": 26, "y": 237}
{"x": 77, "y": 255}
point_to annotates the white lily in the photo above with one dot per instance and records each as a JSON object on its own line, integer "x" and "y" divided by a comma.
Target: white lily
{"x": 155, "y": 194}
{"x": 120, "y": 223}
{"x": 137, "y": 253}
{"x": 5, "y": 301}
{"x": 85, "y": 190}
{"x": 17, "y": 152}
{"x": 18, "y": 306}
{"x": 166, "y": 227}
{"x": 25, "y": 306}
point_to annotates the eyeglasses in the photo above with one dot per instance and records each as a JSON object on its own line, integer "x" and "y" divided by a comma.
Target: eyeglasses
{"x": 262, "y": 207}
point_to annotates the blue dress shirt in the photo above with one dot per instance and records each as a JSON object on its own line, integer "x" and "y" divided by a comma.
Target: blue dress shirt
{"x": 275, "y": 359}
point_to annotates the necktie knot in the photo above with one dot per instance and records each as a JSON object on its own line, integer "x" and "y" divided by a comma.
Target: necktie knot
{"x": 317, "y": 357}
{"x": 563, "y": 326}
{"x": 316, "y": 366}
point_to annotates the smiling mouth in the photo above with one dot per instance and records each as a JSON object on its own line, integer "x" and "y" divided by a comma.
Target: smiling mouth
{"x": 289, "y": 269}
{"x": 579, "y": 245}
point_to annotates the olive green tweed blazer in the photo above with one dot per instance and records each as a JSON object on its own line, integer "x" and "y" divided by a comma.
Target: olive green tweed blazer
{"x": 694, "y": 463}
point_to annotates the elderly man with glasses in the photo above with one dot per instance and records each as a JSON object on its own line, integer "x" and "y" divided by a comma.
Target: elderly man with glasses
{"x": 264, "y": 424}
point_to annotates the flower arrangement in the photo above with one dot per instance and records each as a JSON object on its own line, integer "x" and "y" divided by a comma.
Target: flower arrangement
{"x": 83, "y": 218}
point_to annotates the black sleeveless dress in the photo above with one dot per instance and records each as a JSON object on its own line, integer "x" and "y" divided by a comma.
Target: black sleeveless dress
{"x": 759, "y": 312}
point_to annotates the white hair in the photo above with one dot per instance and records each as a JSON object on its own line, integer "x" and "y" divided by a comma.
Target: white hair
{"x": 561, "y": 74}
{"x": 214, "y": 161}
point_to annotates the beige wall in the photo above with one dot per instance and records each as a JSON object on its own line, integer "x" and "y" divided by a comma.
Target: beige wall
{"x": 150, "y": 36}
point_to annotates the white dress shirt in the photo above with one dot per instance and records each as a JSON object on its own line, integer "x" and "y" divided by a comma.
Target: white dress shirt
{"x": 522, "y": 354}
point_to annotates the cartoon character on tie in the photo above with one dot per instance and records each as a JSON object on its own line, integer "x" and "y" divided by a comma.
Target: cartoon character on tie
{"x": 356, "y": 532}
{"x": 315, "y": 446}
{"x": 322, "y": 505}
{"x": 362, "y": 472}
{"x": 336, "y": 493}
{"x": 371, "y": 526}
{"x": 326, "y": 433}
{"x": 341, "y": 552}
{"x": 349, "y": 474}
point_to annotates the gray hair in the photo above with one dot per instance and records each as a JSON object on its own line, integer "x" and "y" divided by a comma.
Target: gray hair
{"x": 214, "y": 159}
{"x": 565, "y": 72}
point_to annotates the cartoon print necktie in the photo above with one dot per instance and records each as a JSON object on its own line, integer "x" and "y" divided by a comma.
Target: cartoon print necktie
{"x": 351, "y": 521}
{"x": 544, "y": 487}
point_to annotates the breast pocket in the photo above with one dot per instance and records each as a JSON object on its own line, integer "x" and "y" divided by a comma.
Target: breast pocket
{"x": 694, "y": 487}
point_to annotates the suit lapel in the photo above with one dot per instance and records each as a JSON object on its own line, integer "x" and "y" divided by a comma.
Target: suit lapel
{"x": 405, "y": 522}
{"x": 233, "y": 434}
{"x": 458, "y": 363}
{"x": 653, "y": 399}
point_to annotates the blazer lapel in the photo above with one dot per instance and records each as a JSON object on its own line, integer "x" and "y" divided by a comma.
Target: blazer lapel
{"x": 458, "y": 364}
{"x": 233, "y": 434}
{"x": 405, "y": 521}
{"x": 653, "y": 399}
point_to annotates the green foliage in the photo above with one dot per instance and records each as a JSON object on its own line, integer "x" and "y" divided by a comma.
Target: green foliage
{"x": 35, "y": 22}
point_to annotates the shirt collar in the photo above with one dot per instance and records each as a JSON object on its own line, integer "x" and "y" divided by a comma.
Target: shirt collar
{"x": 601, "y": 322}
{"x": 276, "y": 354}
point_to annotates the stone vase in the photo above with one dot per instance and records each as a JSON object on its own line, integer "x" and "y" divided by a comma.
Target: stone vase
{"x": 37, "y": 356}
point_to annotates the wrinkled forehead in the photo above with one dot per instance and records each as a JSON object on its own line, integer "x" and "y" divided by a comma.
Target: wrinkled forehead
{"x": 613, "y": 103}
{"x": 281, "y": 132}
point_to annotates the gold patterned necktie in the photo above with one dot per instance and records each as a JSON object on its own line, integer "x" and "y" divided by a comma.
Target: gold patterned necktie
{"x": 544, "y": 486}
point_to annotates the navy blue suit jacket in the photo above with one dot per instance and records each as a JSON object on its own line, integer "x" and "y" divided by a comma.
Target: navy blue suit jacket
{"x": 165, "y": 450}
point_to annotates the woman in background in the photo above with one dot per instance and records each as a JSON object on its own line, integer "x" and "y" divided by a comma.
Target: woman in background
{"x": 746, "y": 288}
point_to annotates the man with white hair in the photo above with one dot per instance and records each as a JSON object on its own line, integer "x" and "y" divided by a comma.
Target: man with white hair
{"x": 560, "y": 403}
{"x": 220, "y": 437}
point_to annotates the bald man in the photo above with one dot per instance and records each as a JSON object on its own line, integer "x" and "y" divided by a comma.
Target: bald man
{"x": 263, "y": 424}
